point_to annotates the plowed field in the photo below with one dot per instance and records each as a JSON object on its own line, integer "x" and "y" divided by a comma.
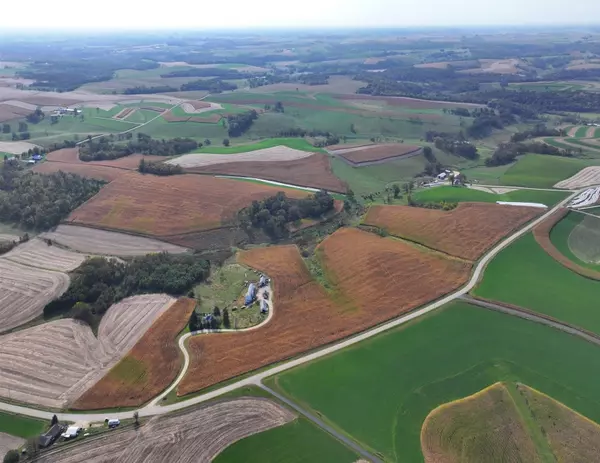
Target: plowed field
{"x": 467, "y": 231}
{"x": 149, "y": 368}
{"x": 585, "y": 177}
{"x": 56, "y": 362}
{"x": 93, "y": 241}
{"x": 377, "y": 152}
{"x": 197, "y": 435}
{"x": 107, "y": 174}
{"x": 24, "y": 291}
{"x": 36, "y": 253}
{"x": 313, "y": 171}
{"x": 307, "y": 317}
{"x": 162, "y": 206}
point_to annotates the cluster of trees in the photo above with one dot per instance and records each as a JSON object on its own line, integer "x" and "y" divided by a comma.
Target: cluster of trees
{"x": 103, "y": 148}
{"x": 301, "y": 133}
{"x": 330, "y": 139}
{"x": 237, "y": 124}
{"x": 278, "y": 107}
{"x": 506, "y": 153}
{"x": 6, "y": 246}
{"x": 274, "y": 213}
{"x": 198, "y": 322}
{"x": 453, "y": 144}
{"x": 211, "y": 85}
{"x": 35, "y": 117}
{"x": 206, "y": 72}
{"x": 313, "y": 78}
{"x": 159, "y": 168}
{"x": 487, "y": 120}
{"x": 142, "y": 89}
{"x": 539, "y": 130}
{"x": 40, "y": 202}
{"x": 99, "y": 282}
{"x": 544, "y": 102}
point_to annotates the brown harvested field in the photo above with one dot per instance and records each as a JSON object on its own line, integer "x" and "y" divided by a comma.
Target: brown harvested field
{"x": 313, "y": 171}
{"x": 24, "y": 292}
{"x": 375, "y": 153}
{"x": 541, "y": 233}
{"x": 8, "y": 442}
{"x": 15, "y": 147}
{"x": 37, "y": 253}
{"x": 54, "y": 363}
{"x": 196, "y": 435}
{"x": 361, "y": 264}
{"x": 483, "y": 427}
{"x": 149, "y": 367}
{"x": 107, "y": 174}
{"x": 572, "y": 437}
{"x": 10, "y": 112}
{"x": 466, "y": 231}
{"x": 102, "y": 242}
{"x": 587, "y": 176}
{"x": 411, "y": 103}
{"x": 131, "y": 162}
{"x": 162, "y": 206}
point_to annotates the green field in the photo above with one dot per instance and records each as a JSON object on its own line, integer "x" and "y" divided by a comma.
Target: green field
{"x": 21, "y": 426}
{"x": 381, "y": 390}
{"x": 525, "y": 275}
{"x": 486, "y": 175}
{"x": 559, "y": 235}
{"x": 584, "y": 144}
{"x": 462, "y": 194}
{"x": 297, "y": 442}
{"x": 540, "y": 171}
{"x": 295, "y": 143}
{"x": 581, "y": 132}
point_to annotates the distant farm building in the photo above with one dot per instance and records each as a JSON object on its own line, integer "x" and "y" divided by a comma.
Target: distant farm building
{"x": 251, "y": 294}
{"x": 50, "y": 436}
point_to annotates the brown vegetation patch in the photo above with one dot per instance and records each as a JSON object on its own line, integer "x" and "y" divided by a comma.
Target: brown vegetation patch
{"x": 9, "y": 112}
{"x": 195, "y": 435}
{"x": 313, "y": 171}
{"x": 541, "y": 233}
{"x": 377, "y": 152}
{"x": 156, "y": 109}
{"x": 467, "y": 231}
{"x": 148, "y": 369}
{"x": 107, "y": 174}
{"x": 161, "y": 206}
{"x": 54, "y": 99}
{"x": 361, "y": 264}
{"x": 483, "y": 427}
{"x": 411, "y": 103}
{"x": 131, "y": 162}
{"x": 344, "y": 146}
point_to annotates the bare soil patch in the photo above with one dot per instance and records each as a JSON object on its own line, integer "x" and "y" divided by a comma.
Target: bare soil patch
{"x": 361, "y": 266}
{"x": 590, "y": 132}
{"x": 131, "y": 162}
{"x": 54, "y": 363}
{"x": 37, "y": 253}
{"x": 374, "y": 153}
{"x": 276, "y": 153}
{"x": 15, "y": 147}
{"x": 102, "y": 242}
{"x": 345, "y": 146}
{"x": 467, "y": 231}
{"x": 483, "y": 427}
{"x": 197, "y": 435}
{"x": 572, "y": 131}
{"x": 149, "y": 367}
{"x": 8, "y": 442}
{"x": 313, "y": 171}
{"x": 162, "y": 206}
{"x": 24, "y": 292}
{"x": 585, "y": 177}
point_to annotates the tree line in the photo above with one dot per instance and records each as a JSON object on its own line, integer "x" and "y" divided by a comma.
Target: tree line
{"x": 506, "y": 153}
{"x": 100, "y": 282}
{"x": 104, "y": 149}
{"x": 159, "y": 168}
{"x": 238, "y": 124}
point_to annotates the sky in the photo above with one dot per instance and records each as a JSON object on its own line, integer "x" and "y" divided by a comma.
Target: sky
{"x": 210, "y": 14}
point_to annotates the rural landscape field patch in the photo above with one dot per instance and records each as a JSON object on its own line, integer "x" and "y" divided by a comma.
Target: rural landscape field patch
{"x": 466, "y": 231}
{"x": 37, "y": 253}
{"x": 585, "y": 177}
{"x": 149, "y": 367}
{"x": 374, "y": 153}
{"x": 362, "y": 266}
{"x": 162, "y": 206}
{"x": 400, "y": 376}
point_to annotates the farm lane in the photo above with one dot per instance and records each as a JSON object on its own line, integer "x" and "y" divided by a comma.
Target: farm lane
{"x": 350, "y": 443}
{"x": 499, "y": 307}
{"x": 256, "y": 379}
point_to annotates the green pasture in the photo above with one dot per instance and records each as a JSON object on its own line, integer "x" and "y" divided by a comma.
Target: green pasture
{"x": 462, "y": 194}
{"x": 585, "y": 144}
{"x": 541, "y": 171}
{"x": 486, "y": 175}
{"x": 587, "y": 152}
{"x": 380, "y": 390}
{"x": 525, "y": 275}
{"x": 160, "y": 128}
{"x": 560, "y": 233}
{"x": 299, "y": 441}
{"x": 21, "y": 426}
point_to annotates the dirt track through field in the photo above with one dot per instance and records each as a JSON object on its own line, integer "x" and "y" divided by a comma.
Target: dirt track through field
{"x": 24, "y": 291}
{"x": 94, "y": 241}
{"x": 54, "y": 363}
{"x": 37, "y": 253}
{"x": 274, "y": 154}
{"x": 197, "y": 435}
{"x": 585, "y": 177}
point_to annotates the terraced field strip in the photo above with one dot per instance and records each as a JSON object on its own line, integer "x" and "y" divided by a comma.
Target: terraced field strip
{"x": 37, "y": 253}
{"x": 581, "y": 132}
{"x": 54, "y": 363}
{"x": 585, "y": 177}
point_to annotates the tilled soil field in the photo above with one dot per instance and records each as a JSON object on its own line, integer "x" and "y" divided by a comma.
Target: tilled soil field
{"x": 585, "y": 177}
{"x": 149, "y": 367}
{"x": 24, "y": 292}
{"x": 37, "y": 253}
{"x": 107, "y": 174}
{"x": 54, "y": 363}
{"x": 467, "y": 231}
{"x": 367, "y": 273}
{"x": 124, "y": 113}
{"x": 94, "y": 241}
{"x": 131, "y": 162}
{"x": 197, "y": 435}
{"x": 313, "y": 171}
{"x": 377, "y": 152}
{"x": 162, "y": 206}
{"x": 276, "y": 153}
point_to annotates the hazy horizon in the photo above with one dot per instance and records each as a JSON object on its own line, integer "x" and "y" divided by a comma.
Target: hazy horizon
{"x": 68, "y": 15}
